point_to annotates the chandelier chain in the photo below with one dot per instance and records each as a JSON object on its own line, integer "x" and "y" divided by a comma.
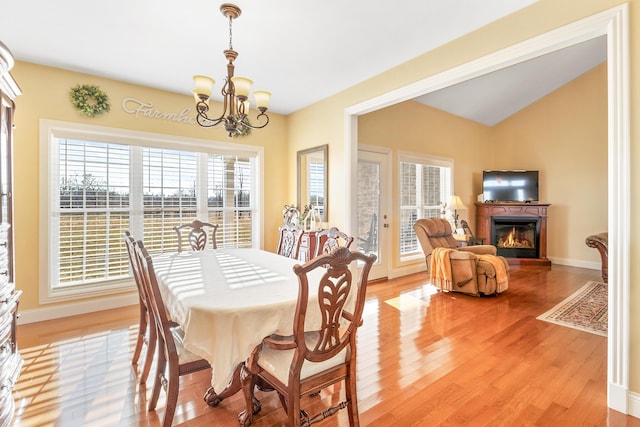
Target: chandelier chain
{"x": 230, "y": 33}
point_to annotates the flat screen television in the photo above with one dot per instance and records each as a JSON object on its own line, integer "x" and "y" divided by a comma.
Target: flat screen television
{"x": 510, "y": 186}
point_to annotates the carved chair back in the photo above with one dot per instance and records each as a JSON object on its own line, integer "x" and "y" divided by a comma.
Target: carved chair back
{"x": 331, "y": 239}
{"x": 331, "y": 348}
{"x": 195, "y": 234}
{"x": 289, "y": 240}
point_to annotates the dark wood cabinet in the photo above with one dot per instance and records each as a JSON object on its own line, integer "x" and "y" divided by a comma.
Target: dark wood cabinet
{"x": 10, "y": 360}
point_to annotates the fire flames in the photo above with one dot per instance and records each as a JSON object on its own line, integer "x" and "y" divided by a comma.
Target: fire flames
{"x": 515, "y": 240}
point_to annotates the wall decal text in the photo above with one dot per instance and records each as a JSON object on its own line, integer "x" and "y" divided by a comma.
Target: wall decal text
{"x": 145, "y": 109}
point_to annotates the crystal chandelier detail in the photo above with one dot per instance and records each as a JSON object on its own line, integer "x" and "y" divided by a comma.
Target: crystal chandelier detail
{"x": 235, "y": 92}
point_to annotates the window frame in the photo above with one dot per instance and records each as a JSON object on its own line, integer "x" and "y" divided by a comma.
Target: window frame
{"x": 50, "y": 130}
{"x": 424, "y": 160}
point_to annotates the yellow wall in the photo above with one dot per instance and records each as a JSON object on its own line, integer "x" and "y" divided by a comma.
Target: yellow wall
{"x": 46, "y": 96}
{"x": 428, "y": 131}
{"x": 325, "y": 120}
{"x": 313, "y": 130}
{"x": 564, "y": 136}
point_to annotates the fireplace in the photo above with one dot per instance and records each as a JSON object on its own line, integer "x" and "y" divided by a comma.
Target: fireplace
{"x": 515, "y": 237}
{"x": 517, "y": 230}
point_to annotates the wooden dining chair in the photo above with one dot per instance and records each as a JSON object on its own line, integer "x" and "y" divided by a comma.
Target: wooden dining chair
{"x": 310, "y": 360}
{"x": 195, "y": 234}
{"x": 331, "y": 239}
{"x": 146, "y": 328}
{"x": 174, "y": 360}
{"x": 289, "y": 240}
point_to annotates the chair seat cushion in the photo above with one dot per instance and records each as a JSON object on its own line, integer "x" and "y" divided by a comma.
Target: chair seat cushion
{"x": 277, "y": 362}
{"x": 184, "y": 355}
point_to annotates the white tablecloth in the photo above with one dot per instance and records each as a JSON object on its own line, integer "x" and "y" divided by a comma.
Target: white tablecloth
{"x": 228, "y": 300}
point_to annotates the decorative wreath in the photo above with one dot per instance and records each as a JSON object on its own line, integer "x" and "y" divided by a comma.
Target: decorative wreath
{"x": 89, "y": 100}
{"x": 242, "y": 129}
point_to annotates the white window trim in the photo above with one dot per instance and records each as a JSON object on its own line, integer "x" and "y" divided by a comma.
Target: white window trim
{"x": 412, "y": 157}
{"x": 52, "y": 129}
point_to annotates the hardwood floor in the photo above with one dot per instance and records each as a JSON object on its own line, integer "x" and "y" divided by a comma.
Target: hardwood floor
{"x": 425, "y": 358}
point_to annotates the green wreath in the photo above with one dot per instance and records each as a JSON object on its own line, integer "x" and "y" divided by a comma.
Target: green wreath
{"x": 242, "y": 129}
{"x": 89, "y": 100}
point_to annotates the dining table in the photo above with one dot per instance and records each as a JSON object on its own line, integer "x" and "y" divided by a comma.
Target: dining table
{"x": 226, "y": 301}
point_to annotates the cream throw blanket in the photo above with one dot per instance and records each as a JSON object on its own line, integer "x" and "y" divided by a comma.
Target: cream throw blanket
{"x": 501, "y": 271}
{"x": 440, "y": 269}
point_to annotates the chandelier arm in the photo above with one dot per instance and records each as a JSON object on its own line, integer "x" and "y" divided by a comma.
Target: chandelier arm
{"x": 202, "y": 119}
{"x": 258, "y": 117}
{"x": 202, "y": 107}
{"x": 205, "y": 122}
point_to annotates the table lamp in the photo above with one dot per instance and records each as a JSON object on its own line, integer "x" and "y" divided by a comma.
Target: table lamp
{"x": 455, "y": 203}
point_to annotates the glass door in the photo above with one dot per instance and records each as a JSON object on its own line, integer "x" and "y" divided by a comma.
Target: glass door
{"x": 372, "y": 209}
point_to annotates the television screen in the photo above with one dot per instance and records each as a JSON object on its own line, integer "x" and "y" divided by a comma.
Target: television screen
{"x": 510, "y": 186}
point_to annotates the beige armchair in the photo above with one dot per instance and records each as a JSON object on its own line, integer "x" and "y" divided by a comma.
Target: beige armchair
{"x": 474, "y": 270}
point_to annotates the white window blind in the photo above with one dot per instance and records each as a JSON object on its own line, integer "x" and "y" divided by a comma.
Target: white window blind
{"x": 424, "y": 184}
{"x": 170, "y": 182}
{"x": 316, "y": 185}
{"x": 230, "y": 199}
{"x": 99, "y": 187}
{"x": 92, "y": 209}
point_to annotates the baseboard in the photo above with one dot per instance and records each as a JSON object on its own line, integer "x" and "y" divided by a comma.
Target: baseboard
{"x": 576, "y": 263}
{"x": 65, "y": 310}
{"x": 632, "y": 400}
{"x": 406, "y": 270}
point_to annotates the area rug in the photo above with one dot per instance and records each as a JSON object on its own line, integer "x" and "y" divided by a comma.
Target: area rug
{"x": 586, "y": 310}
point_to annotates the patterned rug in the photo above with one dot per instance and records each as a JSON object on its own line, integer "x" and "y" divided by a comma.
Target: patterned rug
{"x": 586, "y": 310}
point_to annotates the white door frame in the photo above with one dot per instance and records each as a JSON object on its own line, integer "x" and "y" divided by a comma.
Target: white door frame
{"x": 613, "y": 23}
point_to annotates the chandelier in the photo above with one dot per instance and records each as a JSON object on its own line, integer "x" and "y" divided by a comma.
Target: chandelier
{"x": 235, "y": 92}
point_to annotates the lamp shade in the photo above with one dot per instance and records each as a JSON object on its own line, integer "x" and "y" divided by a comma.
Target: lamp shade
{"x": 242, "y": 86}
{"x": 262, "y": 98}
{"x": 203, "y": 85}
{"x": 455, "y": 203}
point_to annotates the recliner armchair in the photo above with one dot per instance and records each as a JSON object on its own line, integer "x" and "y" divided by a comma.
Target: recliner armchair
{"x": 475, "y": 270}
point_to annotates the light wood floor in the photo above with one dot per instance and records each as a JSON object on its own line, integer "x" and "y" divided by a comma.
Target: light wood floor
{"x": 425, "y": 358}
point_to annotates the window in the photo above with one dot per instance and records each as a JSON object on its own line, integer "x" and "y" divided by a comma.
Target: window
{"x": 425, "y": 183}
{"x": 103, "y": 182}
{"x": 315, "y": 178}
{"x": 92, "y": 212}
